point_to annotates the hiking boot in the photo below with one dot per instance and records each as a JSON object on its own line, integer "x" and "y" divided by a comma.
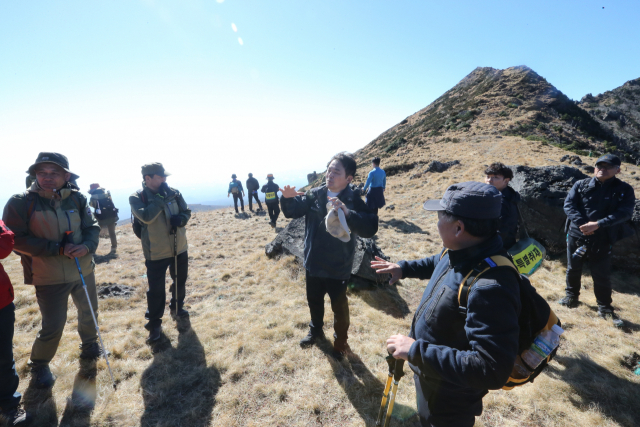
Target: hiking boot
{"x": 340, "y": 346}
{"x": 311, "y": 339}
{"x": 569, "y": 302}
{"x": 181, "y": 312}
{"x": 91, "y": 351}
{"x": 16, "y": 417}
{"x": 42, "y": 377}
{"x": 155, "y": 334}
{"x": 272, "y": 224}
{"x": 607, "y": 313}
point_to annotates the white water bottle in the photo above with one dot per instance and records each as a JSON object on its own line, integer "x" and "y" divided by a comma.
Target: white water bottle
{"x": 542, "y": 346}
{"x": 98, "y": 212}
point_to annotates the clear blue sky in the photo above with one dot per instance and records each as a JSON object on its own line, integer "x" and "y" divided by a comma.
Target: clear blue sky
{"x": 211, "y": 88}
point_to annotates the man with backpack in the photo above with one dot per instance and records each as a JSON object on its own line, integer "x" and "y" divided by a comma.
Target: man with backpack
{"x": 328, "y": 260}
{"x": 10, "y": 410}
{"x": 53, "y": 224}
{"x": 270, "y": 190}
{"x": 458, "y": 351}
{"x": 498, "y": 175}
{"x": 235, "y": 188}
{"x": 597, "y": 209}
{"x": 105, "y": 211}
{"x": 160, "y": 215}
{"x": 252, "y": 187}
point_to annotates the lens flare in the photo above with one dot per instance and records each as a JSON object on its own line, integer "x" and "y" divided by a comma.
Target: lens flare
{"x": 240, "y": 41}
{"x": 234, "y": 28}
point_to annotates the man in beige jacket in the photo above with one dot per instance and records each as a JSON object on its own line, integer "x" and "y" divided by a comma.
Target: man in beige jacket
{"x": 53, "y": 224}
{"x": 162, "y": 213}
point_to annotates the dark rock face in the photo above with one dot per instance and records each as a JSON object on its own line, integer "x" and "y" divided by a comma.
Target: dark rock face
{"x": 108, "y": 290}
{"x": 543, "y": 191}
{"x": 436, "y": 166}
{"x": 290, "y": 241}
{"x": 312, "y": 177}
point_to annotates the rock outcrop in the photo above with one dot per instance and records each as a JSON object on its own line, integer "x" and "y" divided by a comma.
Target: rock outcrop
{"x": 290, "y": 241}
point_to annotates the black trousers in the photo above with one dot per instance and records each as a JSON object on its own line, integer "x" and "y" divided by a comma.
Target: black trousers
{"x": 9, "y": 396}
{"x": 317, "y": 287}
{"x": 251, "y": 196}
{"x": 156, "y": 295}
{"x": 236, "y": 197}
{"x": 600, "y": 266}
{"x": 274, "y": 211}
{"x": 450, "y": 417}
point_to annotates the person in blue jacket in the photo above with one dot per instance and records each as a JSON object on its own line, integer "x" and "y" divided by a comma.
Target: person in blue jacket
{"x": 596, "y": 209}
{"x": 457, "y": 357}
{"x": 235, "y": 188}
{"x": 376, "y": 183}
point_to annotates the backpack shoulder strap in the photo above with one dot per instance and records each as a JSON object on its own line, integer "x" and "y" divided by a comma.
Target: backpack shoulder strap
{"x": 496, "y": 261}
{"x": 141, "y": 195}
{"x": 444, "y": 252}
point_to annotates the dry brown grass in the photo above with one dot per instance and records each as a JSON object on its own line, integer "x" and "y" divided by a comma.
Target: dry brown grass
{"x": 240, "y": 364}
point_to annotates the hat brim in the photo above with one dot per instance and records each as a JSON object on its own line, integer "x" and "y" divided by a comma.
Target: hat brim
{"x": 433, "y": 205}
{"x": 32, "y": 168}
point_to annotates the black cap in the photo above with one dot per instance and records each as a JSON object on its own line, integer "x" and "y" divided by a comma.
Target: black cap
{"x": 234, "y": 176}
{"x": 609, "y": 158}
{"x": 154, "y": 169}
{"x": 55, "y": 158}
{"x": 471, "y": 199}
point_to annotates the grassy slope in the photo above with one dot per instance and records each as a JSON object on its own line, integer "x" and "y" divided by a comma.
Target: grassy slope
{"x": 241, "y": 364}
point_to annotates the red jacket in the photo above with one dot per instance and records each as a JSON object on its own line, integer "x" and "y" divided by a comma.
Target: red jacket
{"x": 6, "y": 246}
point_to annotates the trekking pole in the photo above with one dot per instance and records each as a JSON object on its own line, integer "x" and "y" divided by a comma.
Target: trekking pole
{"x": 396, "y": 371}
{"x": 175, "y": 263}
{"x": 95, "y": 322}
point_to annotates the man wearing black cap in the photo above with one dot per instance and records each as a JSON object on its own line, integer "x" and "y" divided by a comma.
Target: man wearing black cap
{"x": 252, "y": 187}
{"x": 270, "y": 190}
{"x": 596, "y": 209}
{"x": 53, "y": 224}
{"x": 163, "y": 214}
{"x": 458, "y": 356}
{"x": 235, "y": 188}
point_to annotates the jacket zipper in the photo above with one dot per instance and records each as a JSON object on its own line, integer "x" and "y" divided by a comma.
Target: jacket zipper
{"x": 426, "y": 301}
{"x": 435, "y": 303}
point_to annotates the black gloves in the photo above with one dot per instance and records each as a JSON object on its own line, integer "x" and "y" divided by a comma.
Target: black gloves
{"x": 176, "y": 220}
{"x": 164, "y": 189}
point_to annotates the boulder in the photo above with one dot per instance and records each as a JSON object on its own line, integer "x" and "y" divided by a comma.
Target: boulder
{"x": 290, "y": 241}
{"x": 312, "y": 177}
{"x": 436, "y": 166}
{"x": 543, "y": 191}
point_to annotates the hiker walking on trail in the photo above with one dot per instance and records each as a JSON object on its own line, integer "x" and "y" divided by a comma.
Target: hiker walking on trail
{"x": 252, "y": 187}
{"x": 376, "y": 184}
{"x": 235, "y": 188}
{"x": 327, "y": 259}
{"x": 270, "y": 190}
{"x": 161, "y": 214}
{"x": 499, "y": 176}
{"x": 105, "y": 211}
{"x": 458, "y": 355}
{"x": 53, "y": 224}
{"x": 9, "y": 397}
{"x": 597, "y": 209}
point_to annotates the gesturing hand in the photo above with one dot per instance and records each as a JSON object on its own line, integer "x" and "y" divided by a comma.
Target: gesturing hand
{"x": 381, "y": 266}
{"x": 289, "y": 192}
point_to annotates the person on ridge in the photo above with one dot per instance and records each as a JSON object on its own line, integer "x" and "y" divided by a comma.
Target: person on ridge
{"x": 163, "y": 213}
{"x": 10, "y": 409}
{"x": 499, "y": 176}
{"x": 53, "y": 224}
{"x": 252, "y": 187}
{"x": 270, "y": 190}
{"x": 235, "y": 188}
{"x": 328, "y": 260}
{"x": 377, "y": 180}
{"x": 105, "y": 211}
{"x": 596, "y": 209}
{"x": 457, "y": 358}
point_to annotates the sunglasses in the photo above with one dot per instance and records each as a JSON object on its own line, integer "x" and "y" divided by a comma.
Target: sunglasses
{"x": 605, "y": 166}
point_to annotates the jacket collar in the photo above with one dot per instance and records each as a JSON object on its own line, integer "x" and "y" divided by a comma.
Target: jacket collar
{"x": 510, "y": 194}
{"x": 594, "y": 183}
{"x": 467, "y": 258}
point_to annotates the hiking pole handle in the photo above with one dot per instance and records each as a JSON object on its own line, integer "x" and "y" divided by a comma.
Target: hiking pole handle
{"x": 95, "y": 322}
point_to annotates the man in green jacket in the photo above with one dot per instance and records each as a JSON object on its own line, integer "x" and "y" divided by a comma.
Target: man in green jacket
{"x": 105, "y": 211}
{"x": 163, "y": 214}
{"x": 53, "y": 224}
